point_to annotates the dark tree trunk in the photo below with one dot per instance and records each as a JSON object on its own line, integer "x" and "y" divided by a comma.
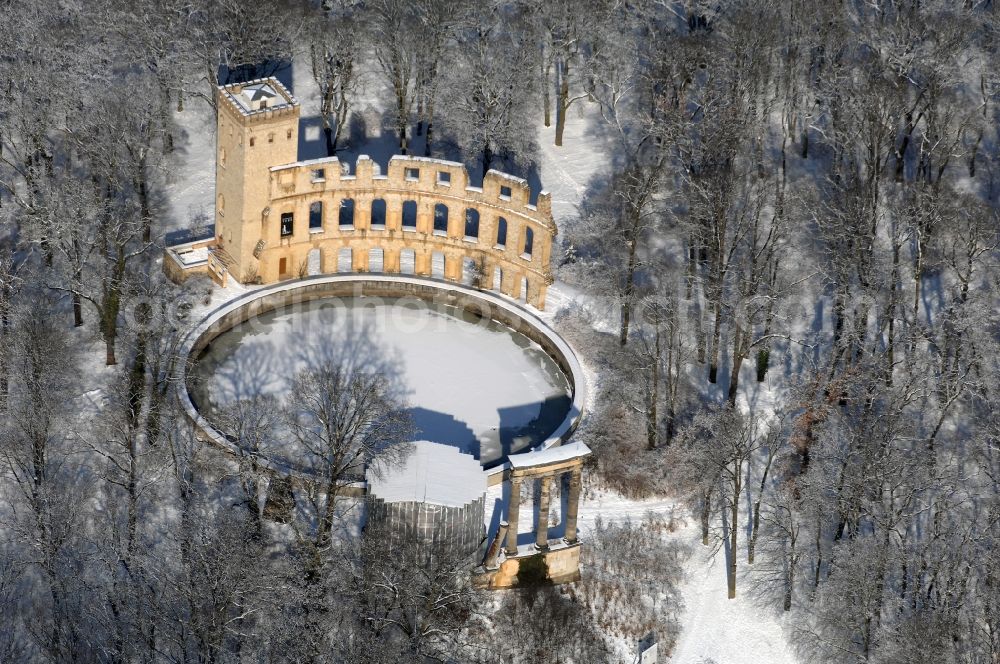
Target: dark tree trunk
{"x": 331, "y": 144}
{"x": 629, "y": 291}
{"x": 77, "y": 310}
{"x": 652, "y": 424}
{"x": 546, "y": 100}
{"x": 706, "y": 512}
{"x": 713, "y": 366}
{"x": 562, "y": 103}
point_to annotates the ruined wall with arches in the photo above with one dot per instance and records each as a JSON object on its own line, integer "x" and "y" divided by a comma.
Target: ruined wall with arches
{"x": 277, "y": 218}
{"x": 421, "y": 217}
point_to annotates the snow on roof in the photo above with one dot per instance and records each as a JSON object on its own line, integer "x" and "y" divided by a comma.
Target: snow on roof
{"x": 318, "y": 161}
{"x": 258, "y": 95}
{"x": 425, "y": 160}
{"x": 192, "y": 256}
{"x": 550, "y": 455}
{"x": 432, "y": 473}
{"x": 507, "y": 176}
{"x": 259, "y": 91}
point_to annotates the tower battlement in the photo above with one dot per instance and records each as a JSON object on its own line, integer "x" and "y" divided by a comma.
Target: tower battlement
{"x": 260, "y": 98}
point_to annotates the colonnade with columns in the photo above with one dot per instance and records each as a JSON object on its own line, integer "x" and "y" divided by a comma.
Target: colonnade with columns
{"x": 556, "y": 464}
{"x": 546, "y": 478}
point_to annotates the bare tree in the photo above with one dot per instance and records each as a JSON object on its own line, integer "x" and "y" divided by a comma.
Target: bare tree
{"x": 345, "y": 410}
{"x": 395, "y": 42}
{"x": 717, "y": 447}
{"x": 438, "y": 20}
{"x": 334, "y": 45}
{"x": 39, "y": 478}
{"x": 412, "y": 596}
{"x": 10, "y": 283}
{"x": 488, "y": 93}
{"x": 252, "y": 425}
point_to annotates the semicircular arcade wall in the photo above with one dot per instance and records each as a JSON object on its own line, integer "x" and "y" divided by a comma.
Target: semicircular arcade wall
{"x": 276, "y": 296}
{"x": 419, "y": 218}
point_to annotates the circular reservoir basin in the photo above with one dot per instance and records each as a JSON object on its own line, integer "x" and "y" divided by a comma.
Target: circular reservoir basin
{"x": 467, "y": 381}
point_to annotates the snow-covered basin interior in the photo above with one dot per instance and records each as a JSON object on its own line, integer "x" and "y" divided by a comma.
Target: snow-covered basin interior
{"x": 468, "y": 381}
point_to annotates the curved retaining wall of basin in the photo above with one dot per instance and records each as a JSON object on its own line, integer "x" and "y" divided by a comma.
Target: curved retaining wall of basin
{"x": 482, "y": 303}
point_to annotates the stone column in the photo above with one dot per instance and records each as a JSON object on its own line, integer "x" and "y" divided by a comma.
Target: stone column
{"x": 452, "y": 267}
{"x": 493, "y": 552}
{"x": 489, "y": 270}
{"x": 359, "y": 259}
{"x": 363, "y": 211}
{"x": 393, "y": 213}
{"x": 538, "y": 295}
{"x": 573, "y": 504}
{"x": 390, "y": 260}
{"x": 507, "y": 280}
{"x": 422, "y": 263}
{"x": 487, "y": 229}
{"x": 425, "y": 216}
{"x": 512, "y": 509}
{"x": 456, "y": 222}
{"x": 330, "y": 260}
{"x": 542, "y": 528}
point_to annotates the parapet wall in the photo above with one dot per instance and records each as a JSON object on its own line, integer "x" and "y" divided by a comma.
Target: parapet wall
{"x": 420, "y": 218}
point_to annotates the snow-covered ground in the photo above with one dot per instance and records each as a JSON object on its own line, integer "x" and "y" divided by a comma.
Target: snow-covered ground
{"x": 713, "y": 628}
{"x": 721, "y": 630}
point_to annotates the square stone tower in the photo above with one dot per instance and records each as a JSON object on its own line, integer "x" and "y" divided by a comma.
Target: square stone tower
{"x": 258, "y": 127}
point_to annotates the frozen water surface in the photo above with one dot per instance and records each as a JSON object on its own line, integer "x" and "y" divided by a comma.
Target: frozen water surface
{"x": 468, "y": 382}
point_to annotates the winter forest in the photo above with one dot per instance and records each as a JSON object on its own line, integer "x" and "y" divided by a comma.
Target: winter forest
{"x": 778, "y": 237}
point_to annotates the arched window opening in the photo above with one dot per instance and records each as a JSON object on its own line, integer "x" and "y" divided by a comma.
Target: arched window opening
{"x": 347, "y": 213}
{"x": 376, "y": 260}
{"x": 316, "y": 216}
{"x": 407, "y": 261}
{"x": 314, "y": 262}
{"x": 471, "y": 273}
{"x": 529, "y": 241}
{"x": 501, "y": 232}
{"x": 344, "y": 260}
{"x": 440, "y": 219}
{"x": 471, "y": 224}
{"x": 437, "y": 265}
{"x": 378, "y": 214}
{"x": 409, "y": 215}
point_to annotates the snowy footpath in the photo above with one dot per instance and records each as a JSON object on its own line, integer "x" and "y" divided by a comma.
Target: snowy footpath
{"x": 714, "y": 629}
{"x": 721, "y": 630}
